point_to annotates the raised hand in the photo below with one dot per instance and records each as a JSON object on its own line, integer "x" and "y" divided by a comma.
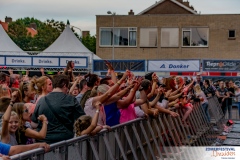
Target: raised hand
{"x": 14, "y": 96}
{"x": 109, "y": 65}
{"x": 98, "y": 105}
{"x": 126, "y": 74}
{"x": 42, "y": 118}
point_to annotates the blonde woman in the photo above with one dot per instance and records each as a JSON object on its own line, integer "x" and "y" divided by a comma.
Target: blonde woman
{"x": 204, "y": 102}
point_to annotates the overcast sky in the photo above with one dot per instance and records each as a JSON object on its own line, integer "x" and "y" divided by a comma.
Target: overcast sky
{"x": 82, "y": 13}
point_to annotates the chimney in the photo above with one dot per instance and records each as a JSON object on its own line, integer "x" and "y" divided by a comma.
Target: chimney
{"x": 181, "y": 1}
{"x": 85, "y": 33}
{"x": 186, "y": 4}
{"x": 8, "y": 19}
{"x": 131, "y": 12}
{"x": 33, "y": 25}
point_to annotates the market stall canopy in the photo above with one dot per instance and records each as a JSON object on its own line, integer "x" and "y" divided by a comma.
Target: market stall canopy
{"x": 68, "y": 44}
{"x": 7, "y": 46}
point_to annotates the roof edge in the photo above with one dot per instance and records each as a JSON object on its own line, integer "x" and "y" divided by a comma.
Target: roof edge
{"x": 174, "y": 1}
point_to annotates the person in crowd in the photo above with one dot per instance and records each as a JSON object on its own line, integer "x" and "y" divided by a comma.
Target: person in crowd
{"x": 87, "y": 124}
{"x": 230, "y": 87}
{"x": 27, "y": 93}
{"x": 75, "y": 89}
{"x": 25, "y": 135}
{"x": 198, "y": 80}
{"x": 92, "y": 80}
{"x": 207, "y": 88}
{"x": 4, "y": 102}
{"x": 104, "y": 94}
{"x": 83, "y": 88}
{"x": 9, "y": 150}
{"x": 42, "y": 86}
{"x": 152, "y": 108}
{"x": 186, "y": 106}
{"x": 4, "y": 78}
{"x": 179, "y": 82}
{"x": 4, "y": 90}
{"x": 10, "y": 123}
{"x": 130, "y": 112}
{"x": 60, "y": 109}
{"x": 203, "y": 99}
{"x": 186, "y": 81}
{"x": 68, "y": 71}
{"x": 223, "y": 95}
{"x": 18, "y": 94}
{"x": 147, "y": 89}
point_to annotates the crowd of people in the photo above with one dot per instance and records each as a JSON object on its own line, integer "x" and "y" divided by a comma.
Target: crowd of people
{"x": 38, "y": 111}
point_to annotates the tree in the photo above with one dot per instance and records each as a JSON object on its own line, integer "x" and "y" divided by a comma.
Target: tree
{"x": 48, "y": 32}
{"x": 18, "y": 33}
{"x": 89, "y": 42}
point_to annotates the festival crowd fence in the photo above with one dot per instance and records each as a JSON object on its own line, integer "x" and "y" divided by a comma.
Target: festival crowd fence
{"x": 142, "y": 139}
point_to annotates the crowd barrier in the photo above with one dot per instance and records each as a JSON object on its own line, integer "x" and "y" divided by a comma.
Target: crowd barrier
{"x": 140, "y": 139}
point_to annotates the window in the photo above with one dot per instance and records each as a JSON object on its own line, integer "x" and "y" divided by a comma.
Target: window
{"x": 122, "y": 36}
{"x": 231, "y": 34}
{"x": 148, "y": 37}
{"x": 169, "y": 37}
{"x": 195, "y": 37}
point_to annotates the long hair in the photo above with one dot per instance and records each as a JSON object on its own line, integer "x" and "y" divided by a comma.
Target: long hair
{"x": 18, "y": 108}
{"x": 36, "y": 84}
{"x": 23, "y": 88}
{"x": 67, "y": 73}
{"x": 91, "y": 79}
{"x": 82, "y": 123}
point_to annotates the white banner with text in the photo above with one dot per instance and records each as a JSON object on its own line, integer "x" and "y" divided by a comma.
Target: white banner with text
{"x": 174, "y": 65}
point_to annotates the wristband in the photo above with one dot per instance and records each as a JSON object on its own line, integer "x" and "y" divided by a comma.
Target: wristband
{"x": 11, "y": 104}
{"x": 46, "y": 121}
{"x": 97, "y": 111}
{"x": 118, "y": 83}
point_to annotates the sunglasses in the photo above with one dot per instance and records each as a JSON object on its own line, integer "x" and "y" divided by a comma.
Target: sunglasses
{"x": 26, "y": 110}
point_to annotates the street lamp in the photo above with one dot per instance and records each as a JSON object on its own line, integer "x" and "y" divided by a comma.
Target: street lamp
{"x": 113, "y": 14}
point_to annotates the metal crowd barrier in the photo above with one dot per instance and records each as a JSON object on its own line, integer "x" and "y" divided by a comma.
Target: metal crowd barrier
{"x": 139, "y": 139}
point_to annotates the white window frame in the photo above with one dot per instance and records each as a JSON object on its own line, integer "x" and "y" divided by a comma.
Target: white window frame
{"x": 114, "y": 29}
{"x": 177, "y": 37}
{"x": 189, "y": 30}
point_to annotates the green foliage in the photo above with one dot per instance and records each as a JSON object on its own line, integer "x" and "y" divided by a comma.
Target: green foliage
{"x": 90, "y": 43}
{"x": 47, "y": 33}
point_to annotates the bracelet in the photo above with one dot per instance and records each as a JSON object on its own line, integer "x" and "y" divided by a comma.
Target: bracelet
{"x": 97, "y": 111}
{"x": 11, "y": 104}
{"x": 46, "y": 121}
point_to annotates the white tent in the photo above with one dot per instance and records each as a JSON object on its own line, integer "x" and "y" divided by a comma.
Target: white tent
{"x": 67, "y": 44}
{"x": 7, "y": 46}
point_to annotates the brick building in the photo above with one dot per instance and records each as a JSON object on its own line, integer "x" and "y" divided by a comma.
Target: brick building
{"x": 169, "y": 29}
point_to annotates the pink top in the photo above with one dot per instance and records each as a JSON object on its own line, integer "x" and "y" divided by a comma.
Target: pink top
{"x": 127, "y": 114}
{"x": 90, "y": 110}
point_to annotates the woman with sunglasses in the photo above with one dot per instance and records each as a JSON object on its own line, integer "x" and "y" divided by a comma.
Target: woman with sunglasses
{"x": 24, "y": 135}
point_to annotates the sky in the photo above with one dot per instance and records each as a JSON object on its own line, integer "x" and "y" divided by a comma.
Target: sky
{"x": 82, "y": 13}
